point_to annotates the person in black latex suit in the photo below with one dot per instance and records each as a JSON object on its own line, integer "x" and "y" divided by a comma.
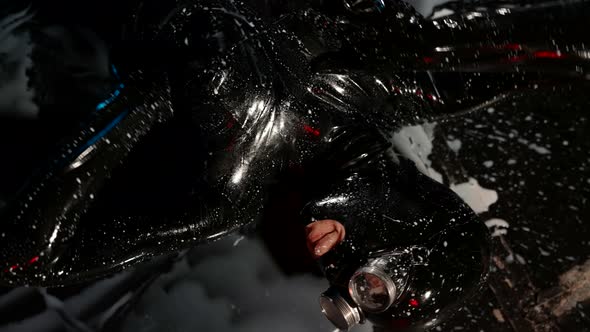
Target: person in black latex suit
{"x": 208, "y": 104}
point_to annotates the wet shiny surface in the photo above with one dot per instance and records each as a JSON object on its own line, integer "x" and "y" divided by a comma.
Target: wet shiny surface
{"x": 192, "y": 155}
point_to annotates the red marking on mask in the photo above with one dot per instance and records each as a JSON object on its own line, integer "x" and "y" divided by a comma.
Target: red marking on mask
{"x": 414, "y": 303}
{"x": 16, "y": 266}
{"x": 513, "y": 47}
{"x": 311, "y": 130}
{"x": 548, "y": 55}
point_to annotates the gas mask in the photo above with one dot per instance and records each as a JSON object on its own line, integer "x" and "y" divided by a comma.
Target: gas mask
{"x": 372, "y": 289}
{"x": 409, "y": 258}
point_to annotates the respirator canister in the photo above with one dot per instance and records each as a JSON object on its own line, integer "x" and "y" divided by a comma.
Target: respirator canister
{"x": 372, "y": 289}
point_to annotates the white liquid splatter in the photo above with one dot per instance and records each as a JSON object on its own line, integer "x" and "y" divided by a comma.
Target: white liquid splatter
{"x": 497, "y": 226}
{"x": 539, "y": 149}
{"x": 415, "y": 143}
{"x": 477, "y": 197}
{"x": 442, "y": 13}
{"x": 454, "y": 145}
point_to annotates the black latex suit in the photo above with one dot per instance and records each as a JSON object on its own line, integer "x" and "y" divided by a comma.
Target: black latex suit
{"x": 207, "y": 104}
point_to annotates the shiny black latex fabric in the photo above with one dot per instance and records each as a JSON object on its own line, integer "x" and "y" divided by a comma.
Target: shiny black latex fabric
{"x": 204, "y": 105}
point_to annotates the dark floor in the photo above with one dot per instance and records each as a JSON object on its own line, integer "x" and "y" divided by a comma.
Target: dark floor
{"x": 534, "y": 152}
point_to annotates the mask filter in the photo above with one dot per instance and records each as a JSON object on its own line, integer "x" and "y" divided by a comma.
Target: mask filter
{"x": 373, "y": 289}
{"x": 339, "y": 311}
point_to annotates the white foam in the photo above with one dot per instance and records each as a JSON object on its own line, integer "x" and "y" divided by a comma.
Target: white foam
{"x": 250, "y": 293}
{"x": 15, "y": 47}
